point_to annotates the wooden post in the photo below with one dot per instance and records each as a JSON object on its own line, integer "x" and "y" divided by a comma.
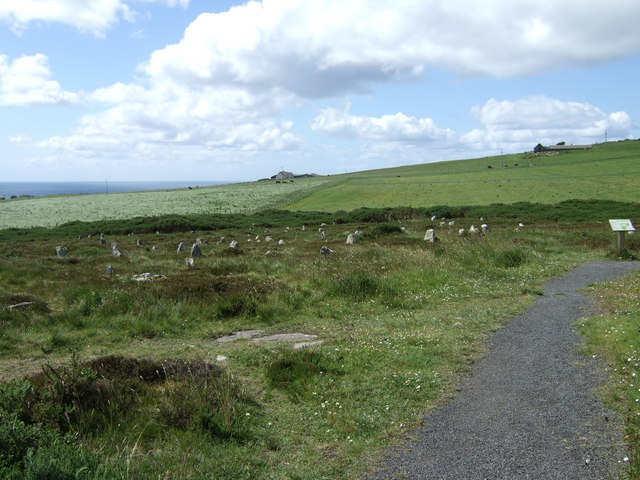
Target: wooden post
{"x": 621, "y": 246}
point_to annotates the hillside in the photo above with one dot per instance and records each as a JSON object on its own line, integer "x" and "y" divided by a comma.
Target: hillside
{"x": 607, "y": 172}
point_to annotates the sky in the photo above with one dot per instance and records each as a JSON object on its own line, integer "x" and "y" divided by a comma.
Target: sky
{"x": 151, "y": 90}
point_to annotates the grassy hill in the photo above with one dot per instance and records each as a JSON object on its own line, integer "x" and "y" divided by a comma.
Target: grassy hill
{"x": 607, "y": 172}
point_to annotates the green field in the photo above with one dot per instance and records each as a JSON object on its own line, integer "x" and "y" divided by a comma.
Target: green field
{"x": 105, "y": 377}
{"x": 608, "y": 171}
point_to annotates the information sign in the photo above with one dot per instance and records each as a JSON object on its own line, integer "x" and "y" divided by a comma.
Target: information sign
{"x": 621, "y": 226}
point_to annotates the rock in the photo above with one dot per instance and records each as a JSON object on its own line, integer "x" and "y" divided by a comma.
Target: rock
{"x": 110, "y": 270}
{"x": 182, "y": 247}
{"x": 62, "y": 251}
{"x": 103, "y": 241}
{"x": 241, "y": 335}
{"x": 474, "y": 229}
{"x": 304, "y": 228}
{"x": 200, "y": 242}
{"x": 234, "y": 244}
{"x": 326, "y": 250}
{"x": 434, "y": 218}
{"x": 452, "y": 223}
{"x": 281, "y": 242}
{"x": 485, "y": 228}
{"x": 285, "y": 337}
{"x": 20, "y": 305}
{"x": 145, "y": 277}
{"x": 190, "y": 262}
{"x": 268, "y": 239}
{"x": 300, "y": 345}
{"x": 462, "y": 232}
{"x": 139, "y": 242}
{"x": 351, "y": 239}
{"x": 221, "y": 358}
{"x": 222, "y": 241}
{"x": 195, "y": 250}
{"x": 431, "y": 236}
{"x": 115, "y": 251}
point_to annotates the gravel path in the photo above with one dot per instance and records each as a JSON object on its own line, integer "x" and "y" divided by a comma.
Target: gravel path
{"x": 528, "y": 410}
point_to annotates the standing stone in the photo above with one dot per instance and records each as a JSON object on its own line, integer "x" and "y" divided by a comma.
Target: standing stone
{"x": 474, "y": 229}
{"x": 304, "y": 228}
{"x": 190, "y": 262}
{"x": 431, "y": 236}
{"x": 103, "y": 241}
{"x": 195, "y": 250}
{"x": 62, "y": 251}
{"x": 485, "y": 228}
{"x": 139, "y": 242}
{"x": 114, "y": 250}
{"x": 182, "y": 247}
{"x": 326, "y": 250}
{"x": 268, "y": 239}
{"x": 109, "y": 270}
{"x": 222, "y": 241}
{"x": 280, "y": 242}
{"x": 351, "y": 239}
{"x": 234, "y": 244}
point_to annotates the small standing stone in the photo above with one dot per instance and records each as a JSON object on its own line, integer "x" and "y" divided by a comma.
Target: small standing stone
{"x": 115, "y": 251}
{"x": 109, "y": 270}
{"x": 182, "y": 247}
{"x": 280, "y": 242}
{"x": 351, "y": 239}
{"x": 326, "y": 250}
{"x": 195, "y": 250}
{"x": 62, "y": 251}
{"x": 139, "y": 242}
{"x": 190, "y": 262}
{"x": 234, "y": 244}
{"x": 431, "y": 236}
{"x": 103, "y": 241}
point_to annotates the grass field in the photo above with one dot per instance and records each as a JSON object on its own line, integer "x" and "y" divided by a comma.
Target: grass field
{"x": 608, "y": 171}
{"x": 128, "y": 380}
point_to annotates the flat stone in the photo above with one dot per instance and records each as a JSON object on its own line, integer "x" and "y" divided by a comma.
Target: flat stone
{"x": 301, "y": 345}
{"x": 285, "y": 337}
{"x": 242, "y": 335}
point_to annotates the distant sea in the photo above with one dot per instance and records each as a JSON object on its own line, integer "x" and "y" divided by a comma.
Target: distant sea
{"x": 39, "y": 189}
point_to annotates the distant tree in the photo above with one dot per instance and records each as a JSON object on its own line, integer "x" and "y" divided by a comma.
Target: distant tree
{"x": 560, "y": 143}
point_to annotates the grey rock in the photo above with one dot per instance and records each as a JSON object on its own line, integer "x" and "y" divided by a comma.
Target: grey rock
{"x": 431, "y": 236}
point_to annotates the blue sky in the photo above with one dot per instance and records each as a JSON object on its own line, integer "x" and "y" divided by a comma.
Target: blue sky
{"x": 195, "y": 89}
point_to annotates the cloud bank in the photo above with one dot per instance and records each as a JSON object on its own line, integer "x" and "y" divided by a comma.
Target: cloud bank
{"x": 234, "y": 78}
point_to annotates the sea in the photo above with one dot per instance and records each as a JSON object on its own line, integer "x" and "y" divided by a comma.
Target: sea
{"x": 40, "y": 189}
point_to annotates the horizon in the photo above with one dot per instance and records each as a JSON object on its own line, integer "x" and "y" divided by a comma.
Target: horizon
{"x": 236, "y": 90}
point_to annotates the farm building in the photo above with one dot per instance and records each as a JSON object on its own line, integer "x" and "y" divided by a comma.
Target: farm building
{"x": 559, "y": 148}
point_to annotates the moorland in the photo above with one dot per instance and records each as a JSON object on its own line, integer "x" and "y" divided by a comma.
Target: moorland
{"x": 105, "y": 377}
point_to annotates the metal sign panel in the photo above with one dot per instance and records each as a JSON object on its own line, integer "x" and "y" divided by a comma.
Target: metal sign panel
{"x": 621, "y": 226}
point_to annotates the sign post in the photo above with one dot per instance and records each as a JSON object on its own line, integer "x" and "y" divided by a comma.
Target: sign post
{"x": 621, "y": 227}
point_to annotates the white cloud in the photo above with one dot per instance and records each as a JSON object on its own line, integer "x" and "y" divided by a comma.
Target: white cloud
{"x": 388, "y": 128}
{"x": 26, "y": 81}
{"x": 93, "y": 16}
{"x": 547, "y": 120}
{"x": 319, "y": 49}
{"x": 226, "y": 85}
